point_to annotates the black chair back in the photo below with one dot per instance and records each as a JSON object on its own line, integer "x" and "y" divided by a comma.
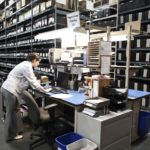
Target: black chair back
{"x": 33, "y": 109}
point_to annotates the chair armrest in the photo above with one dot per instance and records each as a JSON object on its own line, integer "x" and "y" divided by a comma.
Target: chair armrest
{"x": 50, "y": 106}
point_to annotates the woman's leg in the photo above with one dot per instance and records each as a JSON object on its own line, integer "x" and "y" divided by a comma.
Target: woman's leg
{"x": 13, "y": 120}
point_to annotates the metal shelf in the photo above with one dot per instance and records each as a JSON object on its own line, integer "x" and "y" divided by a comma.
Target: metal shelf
{"x": 140, "y": 49}
{"x": 25, "y": 8}
{"x": 137, "y": 79}
{"x": 44, "y": 73}
{"x": 133, "y": 63}
{"x": 134, "y": 10}
{"x": 104, "y": 18}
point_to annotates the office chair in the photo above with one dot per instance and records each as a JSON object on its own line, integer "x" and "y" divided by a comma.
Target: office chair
{"x": 40, "y": 118}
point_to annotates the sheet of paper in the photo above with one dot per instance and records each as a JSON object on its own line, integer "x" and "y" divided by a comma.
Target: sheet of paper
{"x": 105, "y": 48}
{"x": 62, "y": 96}
{"x": 95, "y": 90}
{"x": 105, "y": 65}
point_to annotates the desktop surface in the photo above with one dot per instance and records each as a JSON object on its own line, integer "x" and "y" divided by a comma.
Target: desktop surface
{"x": 72, "y": 97}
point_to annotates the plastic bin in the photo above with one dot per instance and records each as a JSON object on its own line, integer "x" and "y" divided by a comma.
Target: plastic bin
{"x": 144, "y": 123}
{"x": 66, "y": 139}
{"x": 82, "y": 144}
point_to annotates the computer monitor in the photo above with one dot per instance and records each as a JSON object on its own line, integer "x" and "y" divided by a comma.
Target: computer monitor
{"x": 62, "y": 80}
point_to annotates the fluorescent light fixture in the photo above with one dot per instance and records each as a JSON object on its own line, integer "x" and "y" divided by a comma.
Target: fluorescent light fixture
{"x": 114, "y": 36}
{"x": 68, "y": 36}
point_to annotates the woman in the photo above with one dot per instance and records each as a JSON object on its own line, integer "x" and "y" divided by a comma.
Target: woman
{"x": 17, "y": 81}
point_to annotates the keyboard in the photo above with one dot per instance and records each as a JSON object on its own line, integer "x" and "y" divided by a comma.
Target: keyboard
{"x": 57, "y": 90}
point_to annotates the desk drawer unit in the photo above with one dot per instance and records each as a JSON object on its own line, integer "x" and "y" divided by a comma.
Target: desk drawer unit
{"x": 109, "y": 132}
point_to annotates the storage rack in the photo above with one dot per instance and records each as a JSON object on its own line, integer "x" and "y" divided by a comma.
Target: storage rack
{"x": 17, "y": 36}
{"x": 140, "y": 52}
{"x": 104, "y": 16}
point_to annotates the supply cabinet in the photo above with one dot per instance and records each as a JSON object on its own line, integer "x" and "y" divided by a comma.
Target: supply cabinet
{"x": 109, "y": 132}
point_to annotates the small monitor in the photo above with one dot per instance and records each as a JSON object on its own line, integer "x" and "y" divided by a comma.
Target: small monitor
{"x": 62, "y": 80}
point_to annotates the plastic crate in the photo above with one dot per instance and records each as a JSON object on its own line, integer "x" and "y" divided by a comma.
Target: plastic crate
{"x": 66, "y": 139}
{"x": 144, "y": 123}
{"x": 82, "y": 144}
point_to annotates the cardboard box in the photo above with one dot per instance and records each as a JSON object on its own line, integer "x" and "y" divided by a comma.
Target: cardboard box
{"x": 42, "y": 6}
{"x": 36, "y": 10}
{"x": 113, "y": 2}
{"x": 18, "y": 5}
{"x": 48, "y": 4}
{"x": 25, "y": 2}
{"x": 44, "y": 79}
{"x": 21, "y": 17}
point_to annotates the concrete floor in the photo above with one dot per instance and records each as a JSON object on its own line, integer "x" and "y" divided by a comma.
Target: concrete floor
{"x": 141, "y": 144}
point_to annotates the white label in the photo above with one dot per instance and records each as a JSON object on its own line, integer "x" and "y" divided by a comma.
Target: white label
{"x": 122, "y": 19}
{"x": 73, "y": 19}
{"x": 145, "y": 87}
{"x": 148, "y": 57}
{"x": 149, "y": 14}
{"x": 118, "y": 71}
{"x": 140, "y": 16}
{"x": 135, "y": 86}
{"x": 148, "y": 28}
{"x": 119, "y": 56}
{"x": 137, "y": 56}
{"x": 130, "y": 17}
{"x": 138, "y": 43}
{"x": 148, "y": 43}
{"x": 120, "y": 44}
{"x": 119, "y": 83}
{"x": 145, "y": 73}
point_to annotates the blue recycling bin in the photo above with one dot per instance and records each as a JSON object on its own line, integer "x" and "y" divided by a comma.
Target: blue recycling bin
{"x": 144, "y": 123}
{"x": 63, "y": 140}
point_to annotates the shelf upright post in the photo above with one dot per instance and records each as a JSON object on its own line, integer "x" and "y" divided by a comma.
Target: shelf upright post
{"x": 108, "y": 33}
{"x": 31, "y": 26}
{"x": 116, "y": 46}
{"x": 16, "y": 38}
{"x": 4, "y": 24}
{"x": 128, "y": 56}
{"x": 55, "y": 40}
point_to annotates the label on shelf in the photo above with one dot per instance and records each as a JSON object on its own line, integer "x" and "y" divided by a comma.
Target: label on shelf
{"x": 73, "y": 19}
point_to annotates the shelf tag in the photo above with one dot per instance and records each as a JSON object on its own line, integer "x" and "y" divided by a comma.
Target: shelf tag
{"x": 73, "y": 20}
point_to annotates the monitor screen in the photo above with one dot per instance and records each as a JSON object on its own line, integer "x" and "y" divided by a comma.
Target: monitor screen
{"x": 62, "y": 80}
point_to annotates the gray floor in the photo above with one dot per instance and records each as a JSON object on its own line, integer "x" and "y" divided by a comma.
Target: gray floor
{"x": 141, "y": 144}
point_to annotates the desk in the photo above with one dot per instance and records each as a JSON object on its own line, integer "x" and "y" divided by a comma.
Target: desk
{"x": 73, "y": 99}
{"x": 135, "y": 103}
{"x": 76, "y": 100}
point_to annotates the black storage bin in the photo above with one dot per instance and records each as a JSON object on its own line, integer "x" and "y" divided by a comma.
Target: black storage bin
{"x": 126, "y": 18}
{"x": 113, "y": 23}
{"x": 134, "y": 16}
{"x": 109, "y": 11}
{"x": 138, "y": 3}
{"x": 147, "y": 2}
{"x": 100, "y": 14}
{"x": 143, "y": 43}
{"x": 145, "y": 15}
{"x": 126, "y": 6}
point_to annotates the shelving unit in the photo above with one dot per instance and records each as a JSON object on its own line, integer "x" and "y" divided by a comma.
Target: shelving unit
{"x": 18, "y": 27}
{"x": 17, "y": 35}
{"x": 140, "y": 52}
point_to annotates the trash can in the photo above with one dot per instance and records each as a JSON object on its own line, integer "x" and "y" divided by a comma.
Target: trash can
{"x": 66, "y": 139}
{"x": 144, "y": 123}
{"x": 82, "y": 144}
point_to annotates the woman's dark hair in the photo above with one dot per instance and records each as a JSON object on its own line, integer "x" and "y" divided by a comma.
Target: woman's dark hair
{"x": 33, "y": 56}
